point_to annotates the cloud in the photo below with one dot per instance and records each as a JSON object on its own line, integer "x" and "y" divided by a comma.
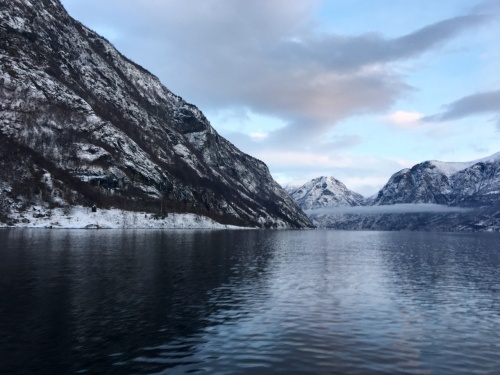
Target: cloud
{"x": 482, "y": 103}
{"x": 258, "y": 135}
{"x": 487, "y": 7}
{"x": 352, "y": 53}
{"x": 405, "y": 120}
{"x": 388, "y": 209}
{"x": 476, "y": 104}
{"x": 304, "y": 159}
{"x": 267, "y": 56}
{"x": 362, "y": 174}
{"x": 272, "y": 80}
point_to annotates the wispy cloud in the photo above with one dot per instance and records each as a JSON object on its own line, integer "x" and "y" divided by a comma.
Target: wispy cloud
{"x": 352, "y": 53}
{"x": 475, "y": 104}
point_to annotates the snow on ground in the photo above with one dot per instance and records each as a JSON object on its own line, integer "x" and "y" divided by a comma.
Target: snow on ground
{"x": 79, "y": 217}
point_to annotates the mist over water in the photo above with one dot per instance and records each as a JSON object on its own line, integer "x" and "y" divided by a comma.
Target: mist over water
{"x": 248, "y": 302}
{"x": 403, "y": 208}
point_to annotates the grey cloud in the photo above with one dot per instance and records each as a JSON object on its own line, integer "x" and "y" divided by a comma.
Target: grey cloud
{"x": 351, "y": 53}
{"x": 432, "y": 35}
{"x": 389, "y": 209}
{"x": 340, "y": 142}
{"x": 487, "y": 7}
{"x": 480, "y": 103}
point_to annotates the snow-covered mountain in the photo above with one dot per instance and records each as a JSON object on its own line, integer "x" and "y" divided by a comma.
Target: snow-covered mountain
{"x": 82, "y": 124}
{"x": 453, "y": 197}
{"x": 290, "y": 188}
{"x": 469, "y": 184}
{"x": 324, "y": 192}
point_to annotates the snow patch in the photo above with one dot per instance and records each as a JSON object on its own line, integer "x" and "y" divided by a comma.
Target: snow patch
{"x": 89, "y": 152}
{"x": 450, "y": 168}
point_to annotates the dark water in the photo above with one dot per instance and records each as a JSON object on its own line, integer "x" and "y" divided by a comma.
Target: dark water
{"x": 249, "y": 302}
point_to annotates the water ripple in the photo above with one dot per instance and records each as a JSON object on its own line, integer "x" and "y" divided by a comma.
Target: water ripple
{"x": 249, "y": 302}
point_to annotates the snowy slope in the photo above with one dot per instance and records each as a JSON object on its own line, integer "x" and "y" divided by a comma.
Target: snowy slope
{"x": 475, "y": 183}
{"x": 78, "y": 217}
{"x": 451, "y": 168}
{"x": 106, "y": 131}
{"x": 324, "y": 192}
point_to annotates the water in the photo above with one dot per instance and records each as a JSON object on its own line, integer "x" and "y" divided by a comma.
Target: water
{"x": 248, "y": 302}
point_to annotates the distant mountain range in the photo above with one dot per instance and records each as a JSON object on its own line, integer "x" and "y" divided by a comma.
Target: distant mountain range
{"x": 450, "y": 197}
{"x": 80, "y": 124}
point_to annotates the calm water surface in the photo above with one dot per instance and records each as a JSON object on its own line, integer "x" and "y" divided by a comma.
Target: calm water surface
{"x": 248, "y": 302}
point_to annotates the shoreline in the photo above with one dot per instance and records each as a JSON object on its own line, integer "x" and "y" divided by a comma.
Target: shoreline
{"x": 79, "y": 217}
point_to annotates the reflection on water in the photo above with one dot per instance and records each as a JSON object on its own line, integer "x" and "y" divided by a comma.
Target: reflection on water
{"x": 249, "y": 302}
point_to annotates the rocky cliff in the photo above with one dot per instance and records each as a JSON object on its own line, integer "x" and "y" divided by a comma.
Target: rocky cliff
{"x": 82, "y": 124}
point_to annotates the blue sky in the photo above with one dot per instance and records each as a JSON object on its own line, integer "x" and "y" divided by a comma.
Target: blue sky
{"x": 355, "y": 89}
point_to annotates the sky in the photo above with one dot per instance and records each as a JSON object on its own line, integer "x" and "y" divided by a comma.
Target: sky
{"x": 355, "y": 89}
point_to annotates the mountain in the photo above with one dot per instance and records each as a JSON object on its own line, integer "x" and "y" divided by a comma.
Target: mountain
{"x": 431, "y": 196}
{"x": 80, "y": 124}
{"x": 324, "y": 192}
{"x": 469, "y": 184}
{"x": 290, "y": 188}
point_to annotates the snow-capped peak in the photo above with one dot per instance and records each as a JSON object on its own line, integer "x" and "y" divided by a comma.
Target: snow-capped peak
{"x": 325, "y": 192}
{"x": 450, "y": 168}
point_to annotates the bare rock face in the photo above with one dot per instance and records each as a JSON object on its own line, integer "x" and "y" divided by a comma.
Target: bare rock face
{"x": 82, "y": 124}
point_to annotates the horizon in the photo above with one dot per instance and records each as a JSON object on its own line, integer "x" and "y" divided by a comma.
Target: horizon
{"x": 354, "y": 90}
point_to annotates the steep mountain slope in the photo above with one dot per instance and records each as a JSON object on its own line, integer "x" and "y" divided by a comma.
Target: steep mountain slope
{"x": 324, "y": 192}
{"x": 469, "y": 184}
{"x": 81, "y": 124}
